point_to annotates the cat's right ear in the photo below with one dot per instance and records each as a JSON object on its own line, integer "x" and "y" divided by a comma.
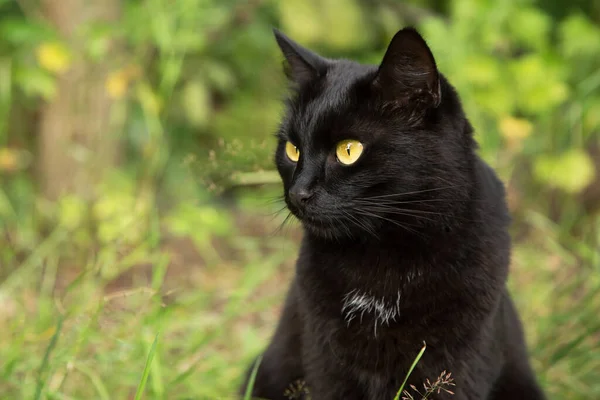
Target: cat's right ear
{"x": 302, "y": 65}
{"x": 408, "y": 75}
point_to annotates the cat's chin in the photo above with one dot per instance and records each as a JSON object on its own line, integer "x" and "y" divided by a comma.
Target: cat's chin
{"x": 324, "y": 229}
{"x": 315, "y": 226}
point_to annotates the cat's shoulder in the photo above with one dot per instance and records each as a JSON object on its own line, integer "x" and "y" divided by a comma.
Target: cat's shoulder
{"x": 488, "y": 178}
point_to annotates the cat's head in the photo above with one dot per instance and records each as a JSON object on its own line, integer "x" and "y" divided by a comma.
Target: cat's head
{"x": 365, "y": 149}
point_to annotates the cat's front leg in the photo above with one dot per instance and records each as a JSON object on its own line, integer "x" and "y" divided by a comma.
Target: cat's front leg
{"x": 325, "y": 382}
{"x": 327, "y": 376}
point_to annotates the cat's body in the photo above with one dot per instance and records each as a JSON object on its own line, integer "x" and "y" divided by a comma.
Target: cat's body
{"x": 405, "y": 245}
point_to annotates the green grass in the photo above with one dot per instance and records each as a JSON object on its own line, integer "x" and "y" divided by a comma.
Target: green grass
{"x": 152, "y": 319}
{"x": 410, "y": 370}
{"x": 252, "y": 379}
{"x": 142, "y": 386}
{"x": 212, "y": 318}
{"x": 51, "y": 345}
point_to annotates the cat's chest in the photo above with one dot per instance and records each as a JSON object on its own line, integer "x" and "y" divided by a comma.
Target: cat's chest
{"x": 360, "y": 306}
{"x": 353, "y": 301}
{"x": 371, "y": 309}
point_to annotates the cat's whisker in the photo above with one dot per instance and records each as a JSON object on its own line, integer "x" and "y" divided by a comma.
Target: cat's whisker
{"x": 401, "y": 212}
{"x": 367, "y": 200}
{"x": 287, "y": 219}
{"x": 344, "y": 226}
{"x": 395, "y": 207}
{"x": 274, "y": 214}
{"x": 274, "y": 200}
{"x": 358, "y": 223}
{"x": 401, "y": 225}
{"x": 415, "y": 192}
{"x": 377, "y": 215}
{"x": 385, "y": 208}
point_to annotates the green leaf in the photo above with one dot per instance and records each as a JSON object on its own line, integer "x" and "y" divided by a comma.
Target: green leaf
{"x": 311, "y": 21}
{"x": 571, "y": 172}
{"x": 301, "y": 20}
{"x": 482, "y": 70}
{"x": 530, "y": 27}
{"x": 196, "y": 103}
{"x": 497, "y": 100}
{"x": 579, "y": 37}
{"x": 219, "y": 75}
{"x": 591, "y": 120}
{"x": 351, "y": 30}
{"x": 466, "y": 10}
{"x": 199, "y": 222}
{"x": 35, "y": 82}
{"x": 72, "y": 211}
{"x": 538, "y": 83}
{"x": 98, "y": 42}
{"x": 22, "y": 32}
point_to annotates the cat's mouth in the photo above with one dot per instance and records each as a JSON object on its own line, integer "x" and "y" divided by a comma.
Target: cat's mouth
{"x": 317, "y": 225}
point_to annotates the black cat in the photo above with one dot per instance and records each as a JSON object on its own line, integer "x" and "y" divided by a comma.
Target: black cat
{"x": 405, "y": 237}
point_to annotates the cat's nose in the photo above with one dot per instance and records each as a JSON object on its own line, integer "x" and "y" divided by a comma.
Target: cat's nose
{"x": 299, "y": 196}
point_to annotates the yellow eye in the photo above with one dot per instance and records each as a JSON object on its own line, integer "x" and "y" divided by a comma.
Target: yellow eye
{"x": 292, "y": 152}
{"x": 348, "y": 151}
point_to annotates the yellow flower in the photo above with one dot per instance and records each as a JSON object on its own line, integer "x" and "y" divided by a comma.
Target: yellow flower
{"x": 514, "y": 130}
{"x": 118, "y": 81}
{"x": 9, "y": 159}
{"x": 53, "y": 57}
{"x": 116, "y": 84}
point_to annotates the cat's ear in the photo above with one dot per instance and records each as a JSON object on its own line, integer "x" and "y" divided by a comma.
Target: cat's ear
{"x": 302, "y": 65}
{"x": 408, "y": 74}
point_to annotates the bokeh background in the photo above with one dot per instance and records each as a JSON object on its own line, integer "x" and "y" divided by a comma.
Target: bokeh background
{"x": 142, "y": 251}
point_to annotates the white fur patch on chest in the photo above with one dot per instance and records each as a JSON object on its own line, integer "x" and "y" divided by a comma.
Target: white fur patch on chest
{"x": 381, "y": 310}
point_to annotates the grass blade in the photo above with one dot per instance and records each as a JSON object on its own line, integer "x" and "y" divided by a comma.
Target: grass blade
{"x": 142, "y": 385}
{"x": 45, "y": 360}
{"x": 248, "y": 394}
{"x": 95, "y": 380}
{"x": 412, "y": 367}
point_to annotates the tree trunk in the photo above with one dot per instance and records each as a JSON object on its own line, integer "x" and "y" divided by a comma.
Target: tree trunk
{"x": 77, "y": 142}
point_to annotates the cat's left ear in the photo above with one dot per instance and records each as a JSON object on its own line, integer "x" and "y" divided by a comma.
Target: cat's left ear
{"x": 302, "y": 65}
{"x": 408, "y": 74}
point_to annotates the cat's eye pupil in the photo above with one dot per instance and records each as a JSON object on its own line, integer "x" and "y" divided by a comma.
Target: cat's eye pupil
{"x": 348, "y": 151}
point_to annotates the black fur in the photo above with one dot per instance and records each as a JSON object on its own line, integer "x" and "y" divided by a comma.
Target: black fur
{"x": 419, "y": 222}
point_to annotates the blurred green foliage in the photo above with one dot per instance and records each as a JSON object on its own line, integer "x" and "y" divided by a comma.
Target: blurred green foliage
{"x": 203, "y": 78}
{"x": 197, "y": 88}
